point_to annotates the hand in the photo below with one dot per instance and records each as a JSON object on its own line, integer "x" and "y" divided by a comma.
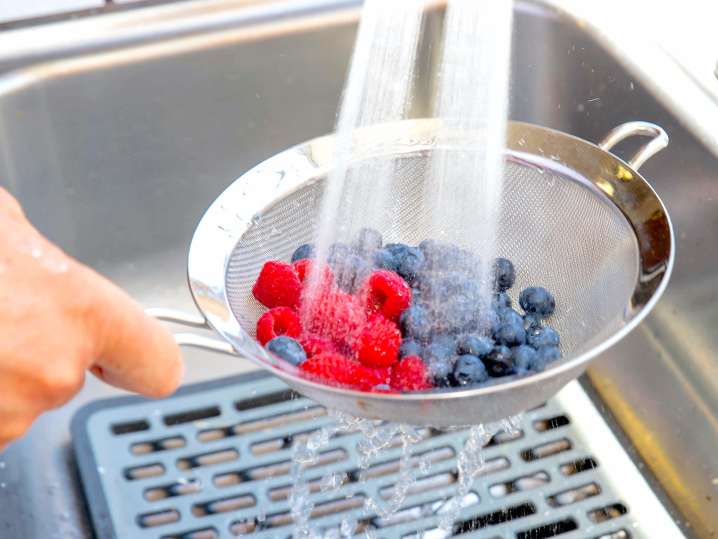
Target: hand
{"x": 59, "y": 319}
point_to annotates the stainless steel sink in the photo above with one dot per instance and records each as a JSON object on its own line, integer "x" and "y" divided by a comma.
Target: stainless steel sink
{"x": 117, "y": 132}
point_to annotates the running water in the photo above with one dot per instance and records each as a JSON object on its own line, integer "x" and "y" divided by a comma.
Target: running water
{"x": 378, "y": 90}
{"x": 461, "y": 192}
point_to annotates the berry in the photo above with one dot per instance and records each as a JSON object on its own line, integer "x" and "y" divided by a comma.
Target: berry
{"x": 410, "y": 374}
{"x": 440, "y": 255}
{"x": 383, "y": 259}
{"x": 277, "y": 285}
{"x": 504, "y": 274}
{"x": 460, "y": 314}
{"x": 314, "y": 344}
{"x": 415, "y": 322}
{"x": 333, "y": 314}
{"x": 288, "y": 349}
{"x": 387, "y": 293}
{"x": 438, "y": 288}
{"x": 474, "y": 345}
{"x": 468, "y": 371}
{"x": 499, "y": 362}
{"x": 397, "y": 249}
{"x": 501, "y": 301}
{"x": 537, "y": 300}
{"x": 378, "y": 343}
{"x": 368, "y": 240}
{"x": 338, "y": 369}
{"x": 510, "y": 317}
{"x": 303, "y": 252}
{"x": 304, "y": 268}
{"x": 442, "y": 347}
{"x": 511, "y": 334}
{"x": 337, "y": 252}
{"x": 546, "y": 355}
{"x": 531, "y": 321}
{"x": 489, "y": 322}
{"x": 524, "y": 358}
{"x": 410, "y": 347}
{"x": 439, "y": 372}
{"x": 278, "y": 321}
{"x": 542, "y": 336}
{"x": 410, "y": 262}
{"x": 351, "y": 272}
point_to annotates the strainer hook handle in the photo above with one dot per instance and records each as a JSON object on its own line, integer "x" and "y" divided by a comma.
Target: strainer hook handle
{"x": 191, "y": 340}
{"x": 621, "y": 132}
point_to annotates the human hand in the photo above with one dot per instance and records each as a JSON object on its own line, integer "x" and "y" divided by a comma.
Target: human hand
{"x": 60, "y": 319}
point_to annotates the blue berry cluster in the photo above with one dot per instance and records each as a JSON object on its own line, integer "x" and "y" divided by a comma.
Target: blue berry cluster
{"x": 462, "y": 343}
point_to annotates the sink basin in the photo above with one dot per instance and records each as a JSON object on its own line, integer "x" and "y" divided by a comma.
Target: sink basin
{"x": 116, "y": 142}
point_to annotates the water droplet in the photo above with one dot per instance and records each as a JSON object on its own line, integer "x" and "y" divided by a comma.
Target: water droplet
{"x": 36, "y": 252}
{"x": 2, "y": 464}
{"x": 100, "y": 470}
{"x": 3, "y": 484}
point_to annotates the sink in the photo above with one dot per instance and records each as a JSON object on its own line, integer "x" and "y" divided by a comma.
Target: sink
{"x": 116, "y": 141}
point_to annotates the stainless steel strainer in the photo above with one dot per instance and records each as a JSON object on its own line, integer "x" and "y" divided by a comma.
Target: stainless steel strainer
{"x": 574, "y": 218}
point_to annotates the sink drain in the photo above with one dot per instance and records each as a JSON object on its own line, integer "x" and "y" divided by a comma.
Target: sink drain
{"x": 215, "y": 461}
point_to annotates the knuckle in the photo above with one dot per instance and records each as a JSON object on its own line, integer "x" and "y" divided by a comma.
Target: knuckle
{"x": 60, "y": 382}
{"x": 12, "y": 430}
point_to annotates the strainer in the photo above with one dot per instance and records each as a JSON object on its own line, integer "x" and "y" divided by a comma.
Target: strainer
{"x": 574, "y": 218}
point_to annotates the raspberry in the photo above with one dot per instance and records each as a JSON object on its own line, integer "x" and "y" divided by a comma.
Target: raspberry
{"x": 378, "y": 343}
{"x": 410, "y": 374}
{"x": 333, "y": 314}
{"x": 303, "y": 268}
{"x": 385, "y": 292}
{"x": 276, "y": 322}
{"x": 277, "y": 285}
{"x": 314, "y": 345}
{"x": 338, "y": 369}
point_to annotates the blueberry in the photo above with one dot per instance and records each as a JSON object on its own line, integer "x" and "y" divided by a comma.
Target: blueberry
{"x": 303, "y": 251}
{"x": 368, "y": 240}
{"x": 384, "y": 259}
{"x": 410, "y": 347}
{"x": 437, "y": 288}
{"x": 511, "y": 334}
{"x": 468, "y": 370}
{"x": 474, "y": 345}
{"x": 504, "y": 274}
{"x": 288, "y": 349}
{"x": 447, "y": 342}
{"x": 337, "y": 252}
{"x": 414, "y": 322}
{"x": 397, "y": 249}
{"x": 501, "y": 301}
{"x": 489, "y": 322}
{"x": 546, "y": 355}
{"x": 439, "y": 370}
{"x": 439, "y": 255}
{"x": 537, "y": 300}
{"x": 524, "y": 358}
{"x": 510, "y": 317}
{"x": 499, "y": 362}
{"x": 460, "y": 314}
{"x": 469, "y": 289}
{"x": 542, "y": 336}
{"x": 410, "y": 263}
{"x": 439, "y": 350}
{"x": 531, "y": 321}
{"x": 351, "y": 272}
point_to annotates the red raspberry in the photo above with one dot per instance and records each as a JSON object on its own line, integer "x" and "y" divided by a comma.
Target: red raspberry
{"x": 314, "y": 345}
{"x": 303, "y": 268}
{"x": 335, "y": 368}
{"x": 276, "y": 322}
{"x": 378, "y": 343}
{"x": 410, "y": 374}
{"x": 277, "y": 285}
{"x": 386, "y": 292}
{"x": 333, "y": 314}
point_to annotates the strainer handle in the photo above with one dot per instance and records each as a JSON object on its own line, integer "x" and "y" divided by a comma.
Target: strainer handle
{"x": 629, "y": 129}
{"x": 191, "y": 340}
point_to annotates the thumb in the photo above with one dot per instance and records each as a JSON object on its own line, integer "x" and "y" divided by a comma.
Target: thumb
{"x": 134, "y": 352}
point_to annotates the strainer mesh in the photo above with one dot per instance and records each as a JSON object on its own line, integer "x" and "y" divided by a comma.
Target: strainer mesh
{"x": 559, "y": 232}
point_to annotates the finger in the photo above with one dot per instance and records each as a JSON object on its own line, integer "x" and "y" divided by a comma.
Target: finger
{"x": 135, "y": 352}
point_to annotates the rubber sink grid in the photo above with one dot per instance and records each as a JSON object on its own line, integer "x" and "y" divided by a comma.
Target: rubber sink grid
{"x": 214, "y": 461}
